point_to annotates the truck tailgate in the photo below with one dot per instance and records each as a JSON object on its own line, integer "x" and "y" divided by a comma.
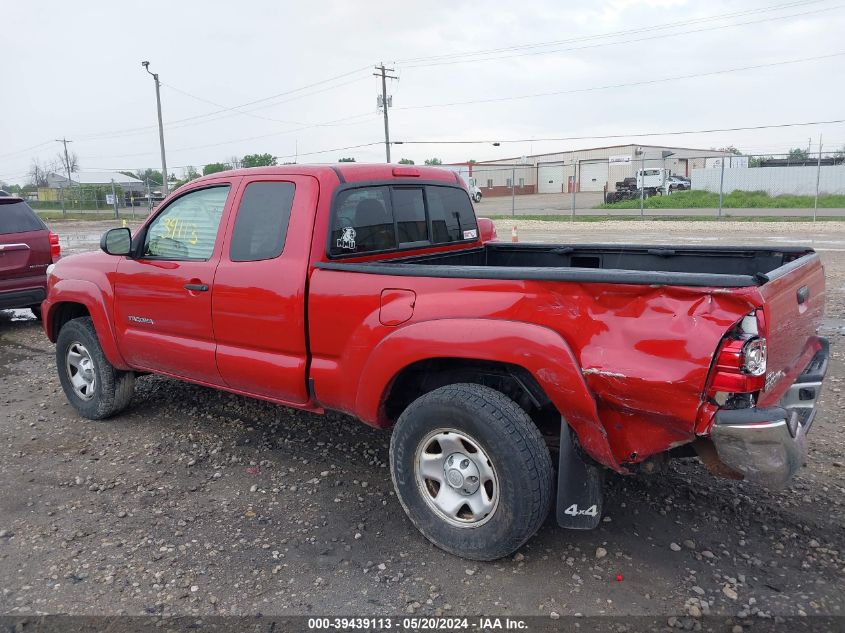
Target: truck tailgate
{"x": 793, "y": 307}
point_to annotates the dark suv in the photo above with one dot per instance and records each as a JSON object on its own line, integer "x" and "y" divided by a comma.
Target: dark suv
{"x": 27, "y": 247}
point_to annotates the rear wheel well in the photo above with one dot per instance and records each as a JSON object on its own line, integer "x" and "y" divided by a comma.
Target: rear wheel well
{"x": 514, "y": 381}
{"x": 65, "y": 312}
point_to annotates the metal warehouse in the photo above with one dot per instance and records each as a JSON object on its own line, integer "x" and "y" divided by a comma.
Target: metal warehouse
{"x": 581, "y": 170}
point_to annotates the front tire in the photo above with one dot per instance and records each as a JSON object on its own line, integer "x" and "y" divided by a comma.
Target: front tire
{"x": 94, "y": 387}
{"x": 471, "y": 470}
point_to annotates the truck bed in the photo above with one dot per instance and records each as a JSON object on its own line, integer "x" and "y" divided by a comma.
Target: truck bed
{"x": 724, "y": 266}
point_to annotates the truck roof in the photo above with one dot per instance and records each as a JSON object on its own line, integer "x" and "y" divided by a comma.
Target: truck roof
{"x": 349, "y": 172}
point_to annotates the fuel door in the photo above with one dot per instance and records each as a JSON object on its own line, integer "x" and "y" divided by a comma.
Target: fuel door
{"x": 397, "y": 306}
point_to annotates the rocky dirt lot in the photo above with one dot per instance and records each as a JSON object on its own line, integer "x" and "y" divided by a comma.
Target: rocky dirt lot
{"x": 200, "y": 502}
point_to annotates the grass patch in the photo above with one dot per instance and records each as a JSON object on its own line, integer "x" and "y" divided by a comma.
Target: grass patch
{"x": 733, "y": 200}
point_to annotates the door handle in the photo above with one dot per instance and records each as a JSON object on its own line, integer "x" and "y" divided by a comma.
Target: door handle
{"x": 803, "y": 294}
{"x": 197, "y": 287}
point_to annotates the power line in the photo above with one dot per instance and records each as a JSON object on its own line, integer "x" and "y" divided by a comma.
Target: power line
{"x": 238, "y": 140}
{"x": 232, "y": 109}
{"x": 448, "y": 62}
{"x": 314, "y": 153}
{"x": 650, "y": 28}
{"x": 612, "y": 136}
{"x": 26, "y": 149}
{"x": 623, "y": 85}
{"x": 328, "y": 151}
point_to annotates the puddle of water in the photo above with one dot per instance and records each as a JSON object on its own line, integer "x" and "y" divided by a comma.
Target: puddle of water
{"x": 19, "y": 314}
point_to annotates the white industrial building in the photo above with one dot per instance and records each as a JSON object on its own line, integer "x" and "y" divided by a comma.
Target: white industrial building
{"x": 57, "y": 180}
{"x": 583, "y": 169}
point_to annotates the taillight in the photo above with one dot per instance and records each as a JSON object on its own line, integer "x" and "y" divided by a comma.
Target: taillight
{"x": 55, "y": 248}
{"x": 741, "y": 361}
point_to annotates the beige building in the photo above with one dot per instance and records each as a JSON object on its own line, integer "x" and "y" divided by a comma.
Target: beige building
{"x": 583, "y": 169}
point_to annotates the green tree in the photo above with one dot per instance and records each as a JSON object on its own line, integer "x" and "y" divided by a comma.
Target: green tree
{"x": 258, "y": 160}
{"x": 406, "y": 161}
{"x": 433, "y": 161}
{"x": 348, "y": 159}
{"x": 153, "y": 176}
{"x": 798, "y": 154}
{"x": 730, "y": 149}
{"x": 213, "y": 168}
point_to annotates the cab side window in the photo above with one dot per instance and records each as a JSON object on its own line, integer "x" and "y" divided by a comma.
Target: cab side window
{"x": 382, "y": 218}
{"x": 363, "y": 221}
{"x": 187, "y": 228}
{"x": 262, "y": 222}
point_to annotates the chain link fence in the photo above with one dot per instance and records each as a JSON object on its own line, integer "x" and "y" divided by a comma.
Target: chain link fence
{"x": 591, "y": 184}
{"x": 706, "y": 185}
{"x": 96, "y": 201}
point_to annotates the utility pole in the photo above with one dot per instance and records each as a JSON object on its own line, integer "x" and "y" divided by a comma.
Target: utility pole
{"x": 64, "y": 142}
{"x": 146, "y": 66}
{"x": 385, "y": 103}
{"x": 818, "y": 177}
{"x": 114, "y": 199}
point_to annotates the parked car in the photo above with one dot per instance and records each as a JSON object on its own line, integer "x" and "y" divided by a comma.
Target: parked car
{"x": 677, "y": 183}
{"x": 367, "y": 289}
{"x": 27, "y": 248}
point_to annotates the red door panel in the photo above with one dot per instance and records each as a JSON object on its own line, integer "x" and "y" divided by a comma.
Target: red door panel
{"x": 161, "y": 325}
{"x": 259, "y": 306}
{"x": 163, "y": 299}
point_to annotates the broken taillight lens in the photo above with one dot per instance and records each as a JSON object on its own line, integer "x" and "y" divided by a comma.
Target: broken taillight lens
{"x": 741, "y": 361}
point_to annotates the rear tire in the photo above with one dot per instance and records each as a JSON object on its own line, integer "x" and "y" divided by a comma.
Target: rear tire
{"x": 94, "y": 387}
{"x": 495, "y": 491}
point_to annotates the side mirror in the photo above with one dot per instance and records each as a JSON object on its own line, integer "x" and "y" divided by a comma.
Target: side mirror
{"x": 116, "y": 241}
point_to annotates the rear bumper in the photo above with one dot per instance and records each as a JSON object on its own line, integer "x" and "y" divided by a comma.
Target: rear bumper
{"x": 769, "y": 444}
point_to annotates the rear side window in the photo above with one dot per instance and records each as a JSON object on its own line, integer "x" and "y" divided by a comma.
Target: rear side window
{"x": 17, "y": 217}
{"x": 363, "y": 221}
{"x": 383, "y": 218}
{"x": 262, "y": 221}
{"x": 452, "y": 218}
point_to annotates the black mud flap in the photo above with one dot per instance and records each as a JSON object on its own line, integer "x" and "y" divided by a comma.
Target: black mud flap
{"x": 579, "y": 486}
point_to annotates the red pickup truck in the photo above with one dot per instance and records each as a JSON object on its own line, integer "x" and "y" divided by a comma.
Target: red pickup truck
{"x": 368, "y": 289}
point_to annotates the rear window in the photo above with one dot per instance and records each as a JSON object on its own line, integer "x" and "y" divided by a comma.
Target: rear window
{"x": 17, "y": 217}
{"x": 383, "y": 218}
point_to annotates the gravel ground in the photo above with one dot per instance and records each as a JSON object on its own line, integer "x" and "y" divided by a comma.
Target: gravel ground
{"x": 199, "y": 502}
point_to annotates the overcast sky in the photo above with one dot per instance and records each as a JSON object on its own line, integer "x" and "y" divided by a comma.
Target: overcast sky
{"x": 73, "y": 69}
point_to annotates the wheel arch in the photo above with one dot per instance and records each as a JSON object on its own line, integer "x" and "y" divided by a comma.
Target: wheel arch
{"x": 535, "y": 358}
{"x": 71, "y": 299}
